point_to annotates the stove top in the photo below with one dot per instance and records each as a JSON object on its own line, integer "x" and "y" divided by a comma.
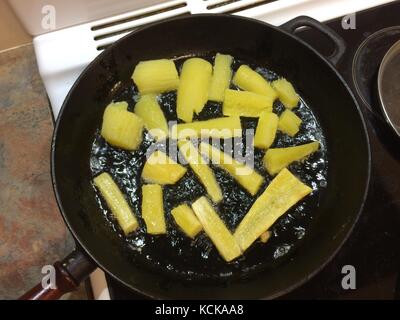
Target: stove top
{"x": 374, "y": 246}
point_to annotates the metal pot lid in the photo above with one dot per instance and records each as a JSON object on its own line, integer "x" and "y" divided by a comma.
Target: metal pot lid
{"x": 389, "y": 87}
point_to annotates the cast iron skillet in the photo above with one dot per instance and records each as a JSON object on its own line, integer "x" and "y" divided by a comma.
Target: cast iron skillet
{"x": 317, "y": 81}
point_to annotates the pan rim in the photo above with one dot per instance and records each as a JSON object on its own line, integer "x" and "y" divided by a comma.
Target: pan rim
{"x": 216, "y": 16}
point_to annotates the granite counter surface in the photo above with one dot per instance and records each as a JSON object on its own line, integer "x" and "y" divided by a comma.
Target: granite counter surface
{"x": 32, "y": 231}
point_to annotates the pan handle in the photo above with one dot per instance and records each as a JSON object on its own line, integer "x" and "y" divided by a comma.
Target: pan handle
{"x": 303, "y": 21}
{"x": 70, "y": 272}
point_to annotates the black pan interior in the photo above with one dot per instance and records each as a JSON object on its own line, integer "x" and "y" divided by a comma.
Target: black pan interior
{"x": 254, "y": 42}
{"x": 177, "y": 254}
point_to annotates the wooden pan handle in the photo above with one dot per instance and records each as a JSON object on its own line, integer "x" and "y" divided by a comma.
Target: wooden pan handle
{"x": 70, "y": 272}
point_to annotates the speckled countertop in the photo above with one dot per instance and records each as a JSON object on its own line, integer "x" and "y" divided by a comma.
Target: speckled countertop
{"x": 32, "y": 232}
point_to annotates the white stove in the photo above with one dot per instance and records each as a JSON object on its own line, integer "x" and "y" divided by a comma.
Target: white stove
{"x": 63, "y": 54}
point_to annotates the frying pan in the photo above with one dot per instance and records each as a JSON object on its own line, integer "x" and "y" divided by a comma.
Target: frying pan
{"x": 317, "y": 81}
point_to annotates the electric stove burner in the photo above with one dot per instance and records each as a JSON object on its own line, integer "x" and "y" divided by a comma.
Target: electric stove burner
{"x": 366, "y": 64}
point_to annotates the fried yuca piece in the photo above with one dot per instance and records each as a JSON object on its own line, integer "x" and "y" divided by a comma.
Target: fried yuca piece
{"x": 120, "y": 105}
{"x": 193, "y": 88}
{"x": 120, "y": 127}
{"x": 221, "y": 128}
{"x": 221, "y": 77}
{"x": 280, "y": 195}
{"x": 215, "y": 228}
{"x": 246, "y": 176}
{"x": 186, "y": 220}
{"x": 265, "y": 236}
{"x": 148, "y": 109}
{"x": 247, "y": 79}
{"x": 153, "y": 209}
{"x": 278, "y": 158}
{"x": 156, "y": 76}
{"x": 289, "y": 123}
{"x": 161, "y": 169}
{"x": 266, "y": 130}
{"x": 202, "y": 170}
{"x": 286, "y": 93}
{"x": 245, "y": 103}
{"x": 116, "y": 202}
